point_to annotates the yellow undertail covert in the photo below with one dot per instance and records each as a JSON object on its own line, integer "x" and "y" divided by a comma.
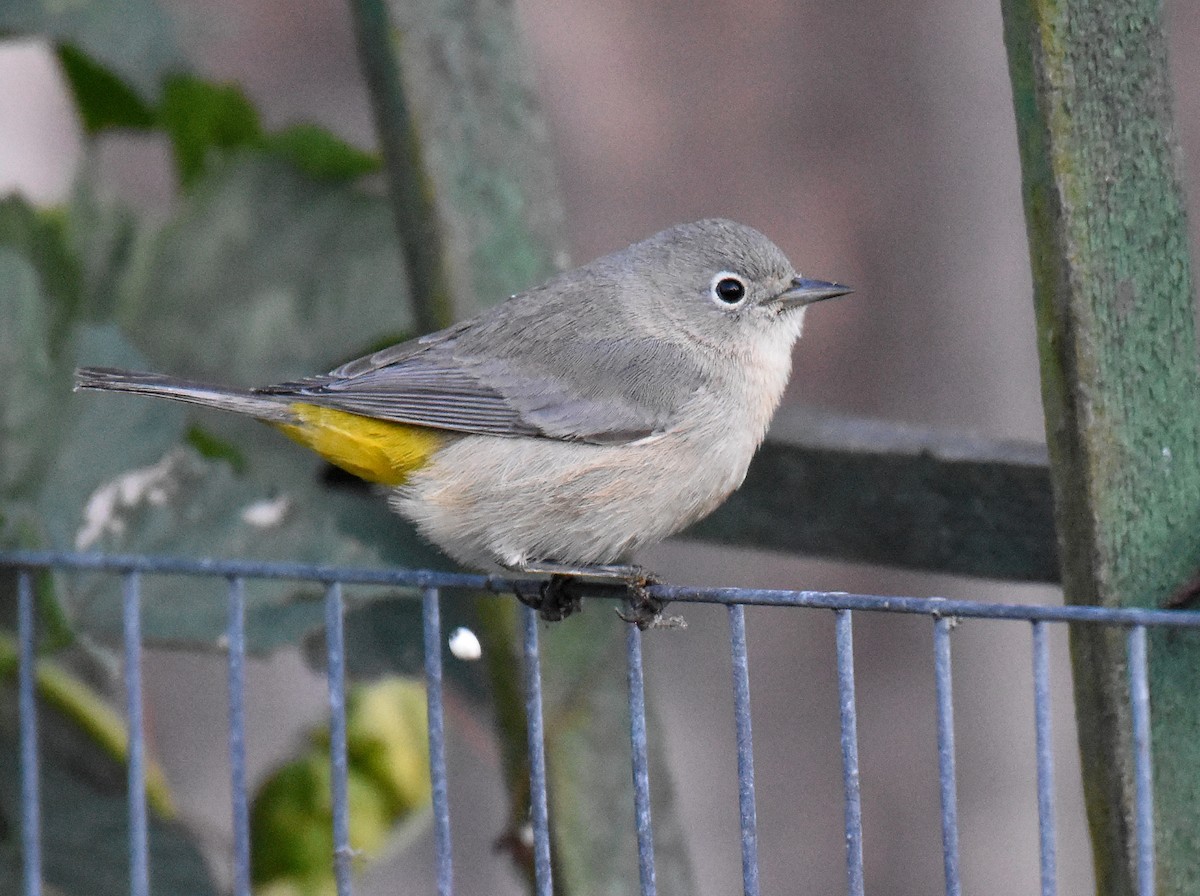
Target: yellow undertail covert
{"x": 374, "y": 450}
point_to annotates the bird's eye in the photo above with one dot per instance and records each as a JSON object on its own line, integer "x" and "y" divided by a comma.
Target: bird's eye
{"x": 729, "y": 288}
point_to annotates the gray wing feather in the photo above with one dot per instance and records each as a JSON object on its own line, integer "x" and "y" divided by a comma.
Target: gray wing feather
{"x": 603, "y": 391}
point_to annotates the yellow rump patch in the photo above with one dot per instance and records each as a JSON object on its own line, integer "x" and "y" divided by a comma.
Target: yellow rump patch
{"x": 374, "y": 450}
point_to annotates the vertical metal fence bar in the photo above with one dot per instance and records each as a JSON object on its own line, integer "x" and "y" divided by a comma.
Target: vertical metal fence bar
{"x": 1045, "y": 760}
{"x": 235, "y": 636}
{"x": 437, "y": 741}
{"x": 945, "y": 742}
{"x": 850, "y": 780}
{"x": 641, "y": 760}
{"x": 139, "y": 852}
{"x": 31, "y": 805}
{"x": 745, "y": 748}
{"x": 335, "y": 643}
{"x": 538, "y": 803}
{"x": 1139, "y": 699}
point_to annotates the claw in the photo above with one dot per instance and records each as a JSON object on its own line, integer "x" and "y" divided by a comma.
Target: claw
{"x": 551, "y": 598}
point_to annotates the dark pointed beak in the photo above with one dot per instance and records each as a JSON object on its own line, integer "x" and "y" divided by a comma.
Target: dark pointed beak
{"x": 804, "y": 292}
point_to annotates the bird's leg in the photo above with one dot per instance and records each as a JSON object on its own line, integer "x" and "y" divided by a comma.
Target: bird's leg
{"x": 558, "y": 597}
{"x": 646, "y": 611}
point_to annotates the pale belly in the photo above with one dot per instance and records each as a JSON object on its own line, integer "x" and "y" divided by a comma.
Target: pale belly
{"x": 490, "y": 501}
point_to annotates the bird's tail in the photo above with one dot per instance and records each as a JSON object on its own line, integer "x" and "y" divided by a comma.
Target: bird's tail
{"x": 270, "y": 408}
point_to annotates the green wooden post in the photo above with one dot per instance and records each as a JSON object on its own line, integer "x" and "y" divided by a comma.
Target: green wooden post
{"x": 1117, "y": 338}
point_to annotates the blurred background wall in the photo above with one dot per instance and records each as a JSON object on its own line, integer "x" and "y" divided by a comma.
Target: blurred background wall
{"x": 874, "y": 142}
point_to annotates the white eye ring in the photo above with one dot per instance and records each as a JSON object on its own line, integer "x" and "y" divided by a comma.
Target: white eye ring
{"x": 728, "y": 289}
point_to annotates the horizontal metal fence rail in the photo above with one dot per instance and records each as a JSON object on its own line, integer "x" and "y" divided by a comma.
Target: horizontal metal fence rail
{"x": 236, "y": 572}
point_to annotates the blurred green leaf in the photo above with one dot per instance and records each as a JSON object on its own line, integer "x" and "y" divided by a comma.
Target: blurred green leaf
{"x": 215, "y": 448}
{"x": 207, "y": 121}
{"x": 204, "y": 121}
{"x": 30, "y": 382}
{"x": 265, "y": 275}
{"x": 186, "y": 505}
{"x": 291, "y": 823}
{"x": 134, "y": 39}
{"x": 107, "y": 435}
{"x": 102, "y": 99}
{"x": 110, "y": 246}
{"x": 387, "y": 737}
{"x": 79, "y": 819}
{"x": 291, "y": 816}
{"x": 320, "y": 154}
{"x": 20, "y": 527}
{"x": 85, "y": 707}
{"x": 85, "y": 832}
{"x": 259, "y": 268}
{"x": 202, "y": 118}
{"x": 41, "y": 236}
{"x": 388, "y": 782}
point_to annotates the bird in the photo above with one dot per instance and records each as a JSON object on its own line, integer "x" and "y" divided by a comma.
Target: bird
{"x": 561, "y": 431}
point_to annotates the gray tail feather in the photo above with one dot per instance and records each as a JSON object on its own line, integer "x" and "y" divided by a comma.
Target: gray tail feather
{"x": 272, "y": 408}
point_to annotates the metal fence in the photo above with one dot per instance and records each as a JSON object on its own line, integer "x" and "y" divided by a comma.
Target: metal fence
{"x": 942, "y": 613}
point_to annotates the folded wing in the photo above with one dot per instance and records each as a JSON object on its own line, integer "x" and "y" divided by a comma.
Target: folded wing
{"x": 603, "y": 391}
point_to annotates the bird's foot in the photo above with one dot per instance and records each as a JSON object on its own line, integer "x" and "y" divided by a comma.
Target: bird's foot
{"x": 560, "y": 595}
{"x": 552, "y": 598}
{"x": 644, "y": 609}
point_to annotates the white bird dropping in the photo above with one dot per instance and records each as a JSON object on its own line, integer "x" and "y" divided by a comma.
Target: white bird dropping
{"x": 464, "y": 645}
